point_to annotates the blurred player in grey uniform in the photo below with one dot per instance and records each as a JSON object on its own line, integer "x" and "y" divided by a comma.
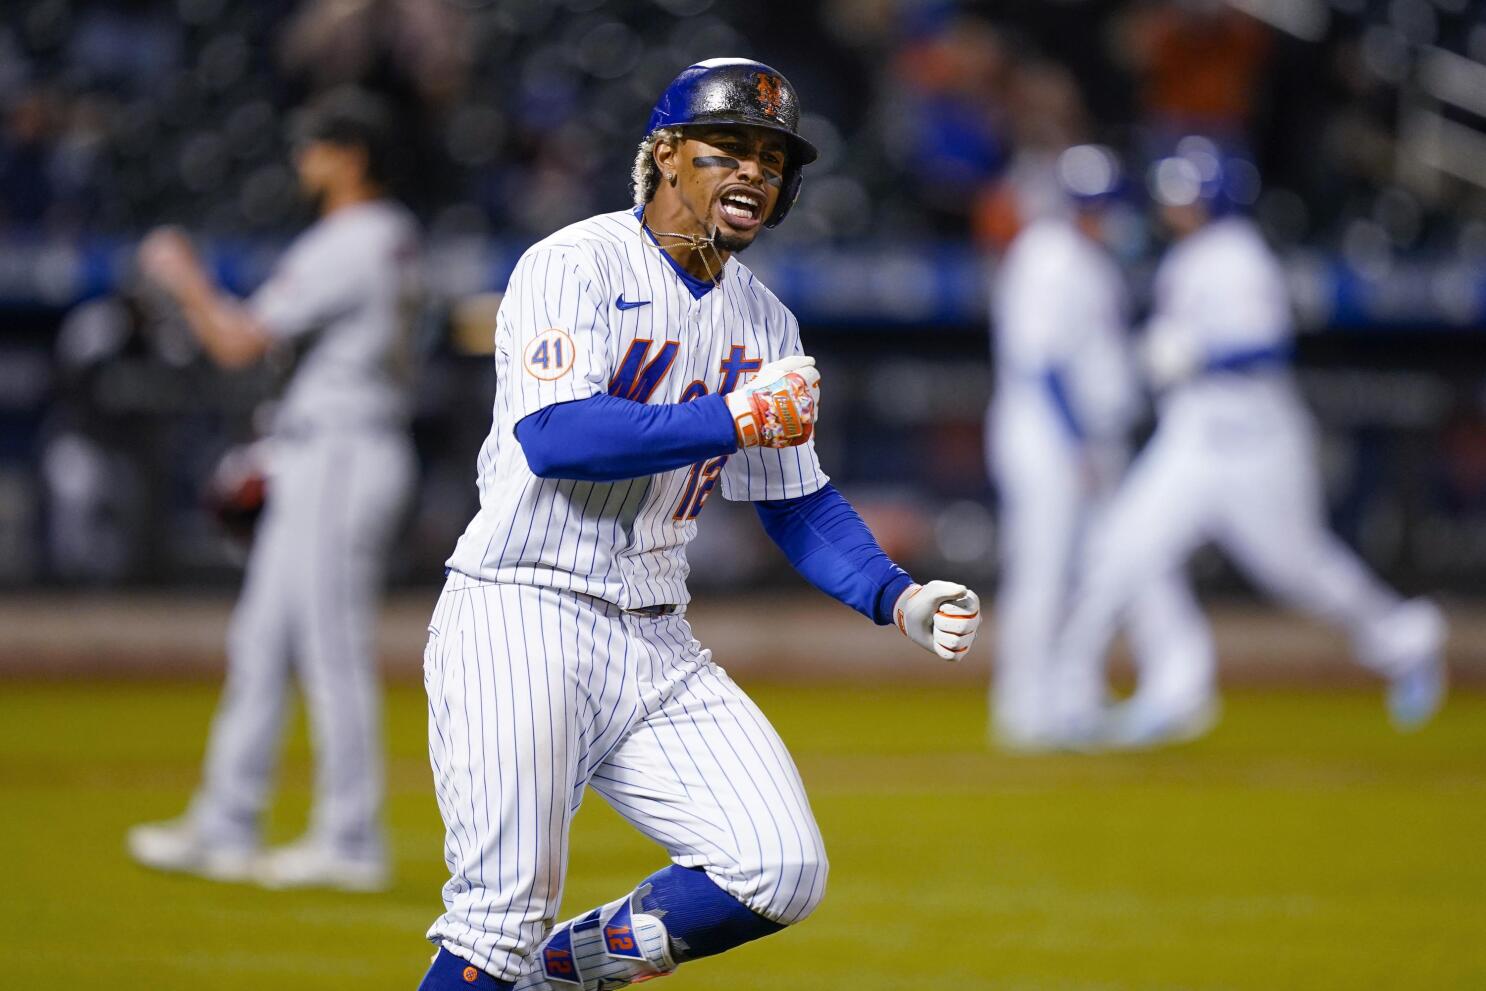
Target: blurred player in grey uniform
{"x": 1232, "y": 461}
{"x": 341, "y": 474}
{"x": 1066, "y": 396}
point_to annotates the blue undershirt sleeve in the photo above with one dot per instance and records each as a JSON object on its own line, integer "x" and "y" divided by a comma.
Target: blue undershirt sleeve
{"x": 1057, "y": 390}
{"x": 1250, "y": 359}
{"x": 606, "y": 438}
{"x": 830, "y": 545}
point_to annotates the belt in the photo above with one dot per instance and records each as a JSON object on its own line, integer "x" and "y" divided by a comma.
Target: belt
{"x": 665, "y": 609}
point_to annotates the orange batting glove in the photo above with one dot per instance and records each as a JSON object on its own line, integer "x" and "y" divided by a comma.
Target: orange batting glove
{"x": 778, "y": 407}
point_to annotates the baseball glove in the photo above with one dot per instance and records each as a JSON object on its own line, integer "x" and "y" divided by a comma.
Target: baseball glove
{"x": 237, "y": 490}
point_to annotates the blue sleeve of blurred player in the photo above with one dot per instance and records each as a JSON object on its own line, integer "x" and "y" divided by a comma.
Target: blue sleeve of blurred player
{"x": 830, "y": 545}
{"x": 1057, "y": 390}
{"x": 606, "y": 438}
{"x": 1250, "y": 359}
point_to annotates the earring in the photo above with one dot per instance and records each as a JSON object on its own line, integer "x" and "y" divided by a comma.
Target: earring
{"x": 671, "y": 178}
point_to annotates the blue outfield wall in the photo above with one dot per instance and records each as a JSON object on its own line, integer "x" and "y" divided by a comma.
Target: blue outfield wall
{"x": 894, "y": 286}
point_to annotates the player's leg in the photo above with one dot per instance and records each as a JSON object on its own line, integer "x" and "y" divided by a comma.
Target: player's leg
{"x": 1274, "y": 526}
{"x": 1176, "y": 661}
{"x": 1151, "y": 525}
{"x": 707, "y": 777}
{"x": 219, "y": 835}
{"x": 527, "y": 689}
{"x": 362, "y": 483}
{"x": 1040, "y": 505}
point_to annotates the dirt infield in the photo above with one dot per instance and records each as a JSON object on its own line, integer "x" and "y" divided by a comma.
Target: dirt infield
{"x": 144, "y": 635}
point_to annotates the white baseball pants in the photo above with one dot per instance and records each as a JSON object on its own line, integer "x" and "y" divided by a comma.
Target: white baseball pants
{"x": 1049, "y": 508}
{"x": 1246, "y": 480}
{"x": 534, "y": 693}
{"x": 309, "y": 605}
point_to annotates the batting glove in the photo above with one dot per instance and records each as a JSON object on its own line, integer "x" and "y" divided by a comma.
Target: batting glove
{"x": 1170, "y": 354}
{"x": 777, "y": 408}
{"x": 941, "y": 617}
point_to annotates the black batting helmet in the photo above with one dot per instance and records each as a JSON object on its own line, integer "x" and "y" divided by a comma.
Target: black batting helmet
{"x": 739, "y": 91}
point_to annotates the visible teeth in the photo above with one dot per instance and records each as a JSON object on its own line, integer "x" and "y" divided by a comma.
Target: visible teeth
{"x": 739, "y": 206}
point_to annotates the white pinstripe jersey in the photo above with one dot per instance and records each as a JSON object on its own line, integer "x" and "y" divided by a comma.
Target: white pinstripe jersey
{"x": 1223, "y": 291}
{"x": 1059, "y": 304}
{"x": 1223, "y": 287}
{"x": 597, "y": 309}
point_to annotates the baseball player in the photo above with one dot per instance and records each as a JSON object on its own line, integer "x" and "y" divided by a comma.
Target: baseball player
{"x": 1231, "y": 461}
{"x": 342, "y": 472}
{"x": 640, "y": 368}
{"x": 1066, "y": 394}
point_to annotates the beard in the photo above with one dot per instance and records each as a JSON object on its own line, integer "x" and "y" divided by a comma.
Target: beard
{"x": 311, "y": 194}
{"x": 732, "y": 243}
{"x": 314, "y": 199}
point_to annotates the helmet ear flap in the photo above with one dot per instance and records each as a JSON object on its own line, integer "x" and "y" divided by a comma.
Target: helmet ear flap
{"x": 789, "y": 191}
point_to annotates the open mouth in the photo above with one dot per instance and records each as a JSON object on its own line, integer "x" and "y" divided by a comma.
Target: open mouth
{"x": 741, "y": 208}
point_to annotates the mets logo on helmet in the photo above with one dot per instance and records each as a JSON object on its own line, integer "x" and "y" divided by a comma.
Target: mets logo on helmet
{"x": 770, "y": 93}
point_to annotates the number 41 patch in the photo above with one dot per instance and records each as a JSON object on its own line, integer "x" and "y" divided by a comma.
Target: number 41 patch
{"x": 550, "y": 354}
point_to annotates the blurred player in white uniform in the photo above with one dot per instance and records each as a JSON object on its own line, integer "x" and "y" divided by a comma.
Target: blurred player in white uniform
{"x": 639, "y": 368}
{"x": 1232, "y": 461}
{"x": 1067, "y": 394}
{"x": 341, "y": 474}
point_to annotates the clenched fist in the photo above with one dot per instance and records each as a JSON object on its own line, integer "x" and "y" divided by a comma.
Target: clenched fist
{"x": 941, "y": 617}
{"x": 167, "y": 257}
{"x": 778, "y": 407}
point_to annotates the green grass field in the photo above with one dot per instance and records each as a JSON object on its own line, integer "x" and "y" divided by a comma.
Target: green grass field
{"x": 1303, "y": 845}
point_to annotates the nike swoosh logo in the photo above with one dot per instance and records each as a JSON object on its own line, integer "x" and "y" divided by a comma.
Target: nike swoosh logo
{"x": 625, "y": 304}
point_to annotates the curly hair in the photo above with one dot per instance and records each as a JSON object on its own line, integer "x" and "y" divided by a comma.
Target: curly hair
{"x": 645, "y": 177}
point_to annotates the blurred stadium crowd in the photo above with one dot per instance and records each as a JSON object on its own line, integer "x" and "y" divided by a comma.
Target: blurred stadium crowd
{"x": 936, "y": 121}
{"x": 520, "y": 114}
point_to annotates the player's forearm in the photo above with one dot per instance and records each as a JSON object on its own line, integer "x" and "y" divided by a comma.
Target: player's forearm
{"x": 606, "y": 439}
{"x": 226, "y": 331}
{"x": 830, "y": 546}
